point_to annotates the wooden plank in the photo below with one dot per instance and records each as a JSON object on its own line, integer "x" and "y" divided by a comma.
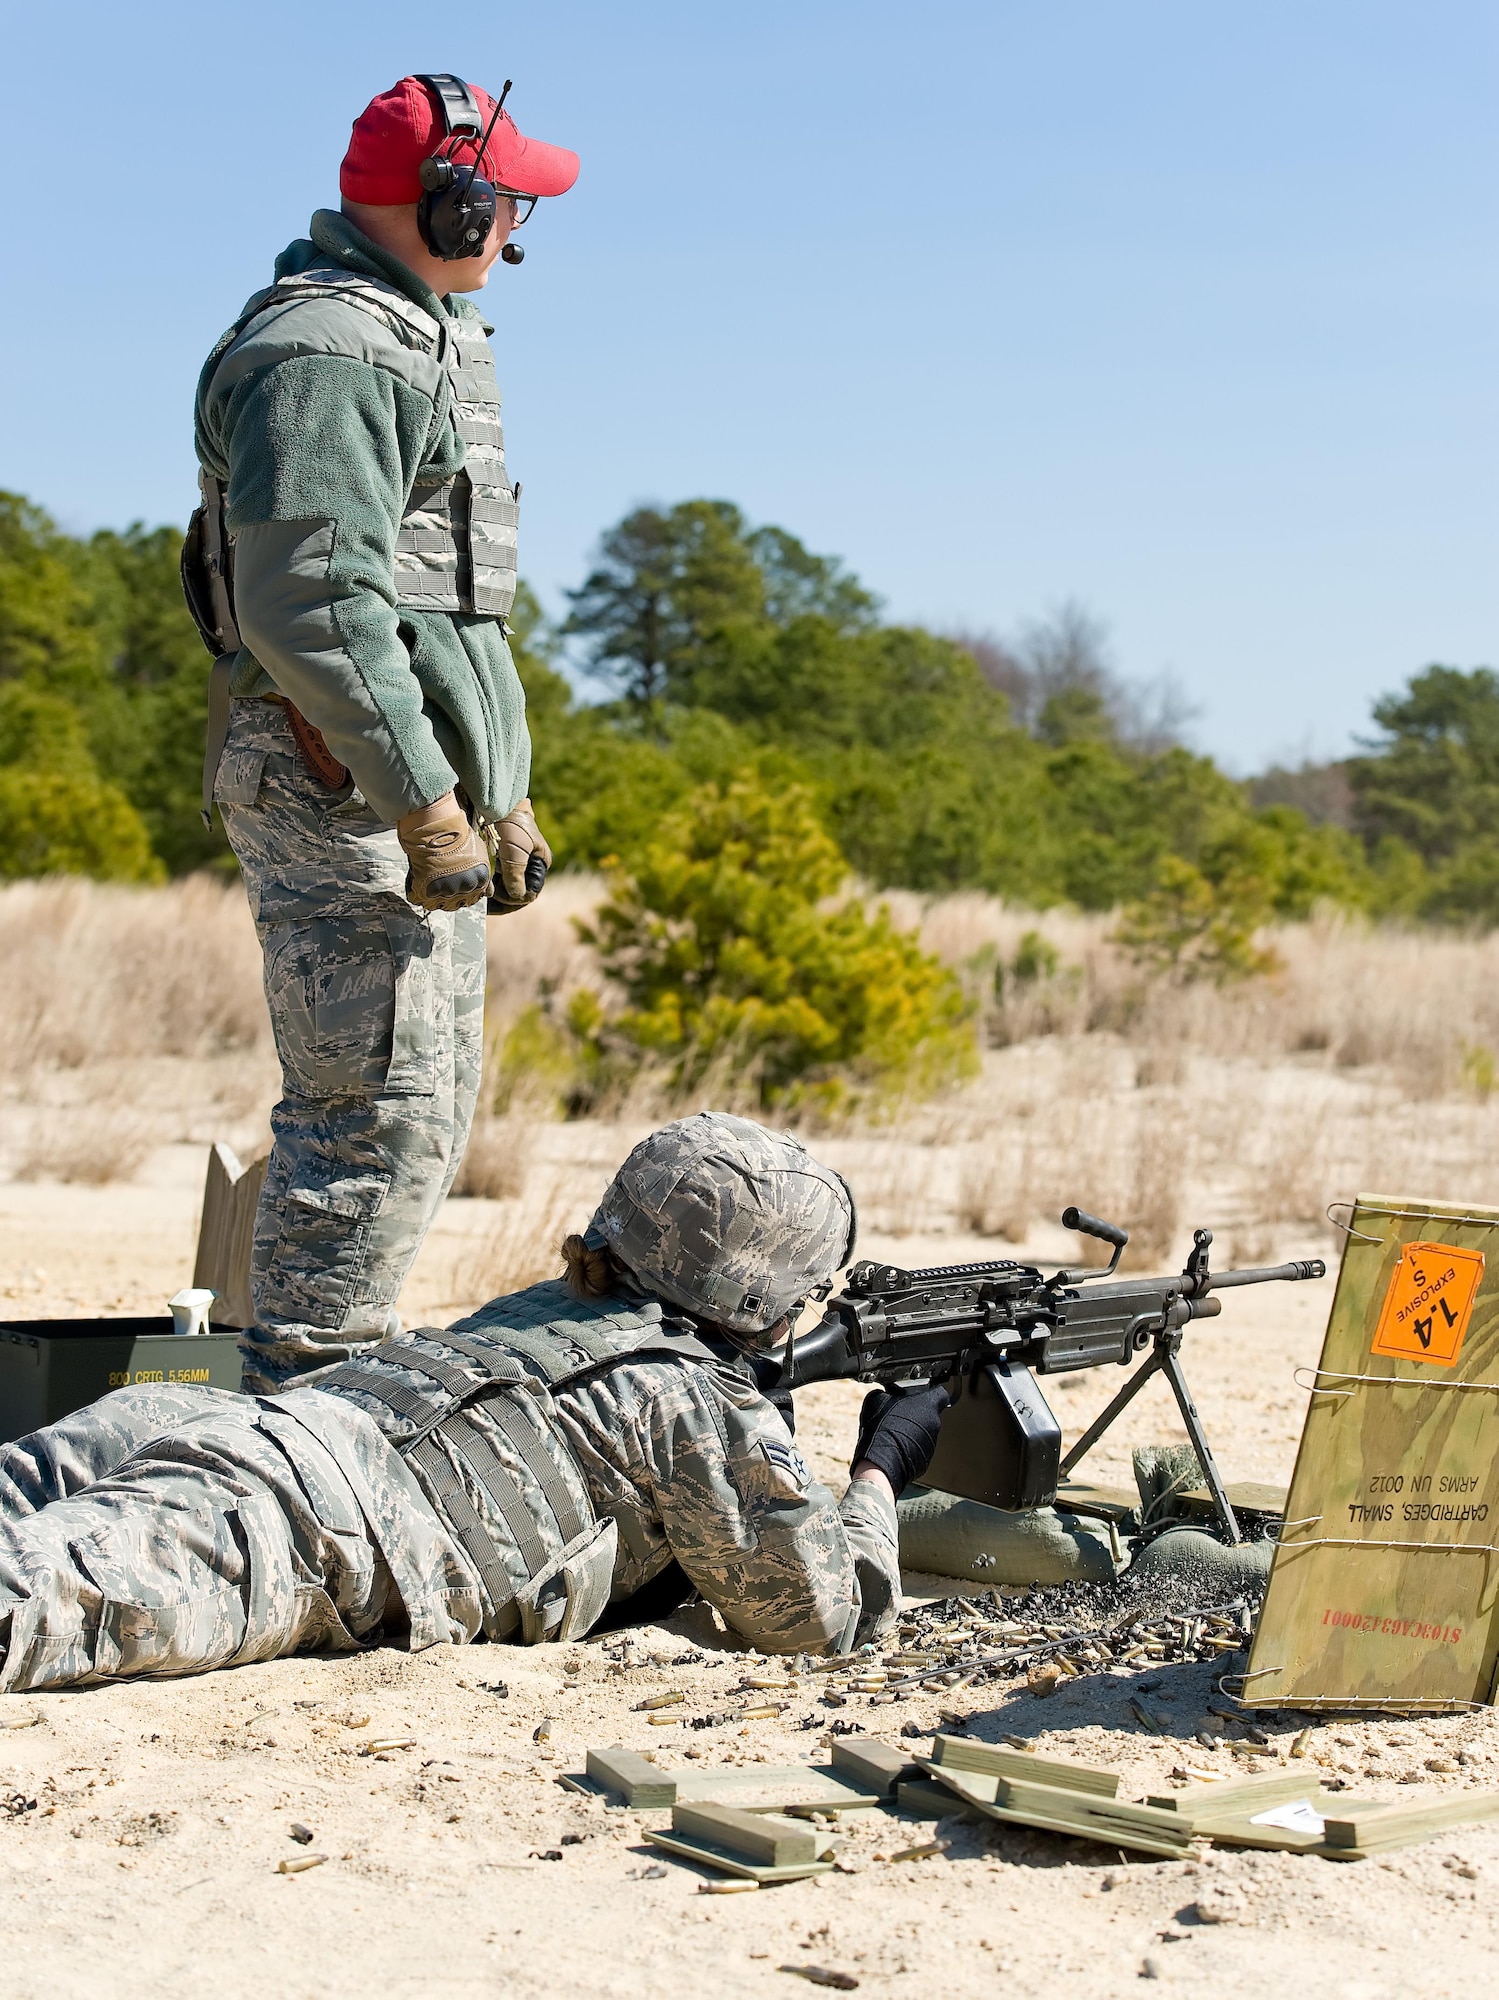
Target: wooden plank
{"x": 707, "y": 1856}
{"x": 1057, "y": 1799}
{"x": 1225, "y": 1814}
{"x": 747, "y": 1836}
{"x": 1059, "y": 1809}
{"x": 875, "y": 1766}
{"x": 977, "y": 1785}
{"x": 925, "y": 1800}
{"x": 1242, "y": 1795}
{"x": 1241, "y": 1831}
{"x": 959, "y": 1753}
{"x": 1245, "y": 1496}
{"x": 1124, "y": 1836}
{"x": 1380, "y": 1589}
{"x": 643, "y": 1785}
{"x": 625, "y": 1774}
{"x": 1108, "y": 1503}
{"x": 1374, "y": 1829}
{"x": 775, "y": 1788}
{"x": 226, "y": 1234}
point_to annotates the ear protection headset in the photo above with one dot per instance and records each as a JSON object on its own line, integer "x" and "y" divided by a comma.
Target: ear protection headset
{"x": 457, "y": 207}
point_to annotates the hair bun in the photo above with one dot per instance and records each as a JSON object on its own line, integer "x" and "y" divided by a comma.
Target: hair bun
{"x": 590, "y": 1273}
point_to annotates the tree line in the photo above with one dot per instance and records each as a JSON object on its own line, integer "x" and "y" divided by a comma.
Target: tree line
{"x": 722, "y": 654}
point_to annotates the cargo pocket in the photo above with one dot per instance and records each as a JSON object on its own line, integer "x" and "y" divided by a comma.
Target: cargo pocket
{"x": 419, "y": 992}
{"x": 290, "y": 958}
{"x": 353, "y": 1003}
{"x": 241, "y": 768}
{"x": 327, "y": 1213}
{"x": 566, "y": 1599}
{"x": 270, "y": 1592}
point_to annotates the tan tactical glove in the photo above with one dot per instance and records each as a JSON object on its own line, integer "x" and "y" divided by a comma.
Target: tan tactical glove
{"x": 520, "y": 859}
{"x": 448, "y": 860}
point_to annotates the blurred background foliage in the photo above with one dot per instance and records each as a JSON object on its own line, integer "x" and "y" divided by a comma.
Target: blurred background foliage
{"x": 719, "y": 657}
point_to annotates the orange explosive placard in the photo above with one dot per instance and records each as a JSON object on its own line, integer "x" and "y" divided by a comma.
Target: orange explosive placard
{"x": 1429, "y": 1303}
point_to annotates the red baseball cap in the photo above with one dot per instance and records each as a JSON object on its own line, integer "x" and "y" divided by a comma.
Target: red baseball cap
{"x": 403, "y": 126}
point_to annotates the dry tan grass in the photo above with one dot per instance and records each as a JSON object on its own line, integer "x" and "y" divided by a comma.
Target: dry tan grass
{"x": 494, "y": 1167}
{"x": 1414, "y": 1004}
{"x": 107, "y": 1146}
{"x": 131, "y": 1019}
{"x": 95, "y": 973}
{"x": 536, "y": 950}
{"x": 515, "y": 1242}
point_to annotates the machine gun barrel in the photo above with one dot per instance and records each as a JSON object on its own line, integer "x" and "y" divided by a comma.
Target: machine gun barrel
{"x": 1265, "y": 1274}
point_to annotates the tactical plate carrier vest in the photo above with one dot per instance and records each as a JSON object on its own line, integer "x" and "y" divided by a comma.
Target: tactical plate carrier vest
{"x": 455, "y": 548}
{"x": 472, "y": 1414}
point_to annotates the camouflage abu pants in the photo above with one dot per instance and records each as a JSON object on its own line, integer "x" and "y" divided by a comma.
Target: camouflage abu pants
{"x": 169, "y": 1530}
{"x": 378, "y": 1012}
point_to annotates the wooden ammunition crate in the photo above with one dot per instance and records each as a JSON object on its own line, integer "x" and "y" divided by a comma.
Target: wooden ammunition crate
{"x": 1382, "y": 1591}
{"x": 50, "y": 1367}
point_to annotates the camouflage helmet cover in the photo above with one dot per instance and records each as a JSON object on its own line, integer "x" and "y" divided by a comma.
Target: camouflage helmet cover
{"x": 720, "y": 1216}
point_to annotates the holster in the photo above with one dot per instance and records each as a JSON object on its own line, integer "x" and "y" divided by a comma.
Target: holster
{"x": 207, "y": 571}
{"x": 316, "y": 755}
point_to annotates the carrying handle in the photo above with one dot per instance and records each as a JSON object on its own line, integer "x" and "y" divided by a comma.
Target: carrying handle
{"x": 1106, "y": 1232}
{"x": 1089, "y": 1225}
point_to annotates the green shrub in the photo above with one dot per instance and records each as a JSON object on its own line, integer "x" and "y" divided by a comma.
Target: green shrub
{"x": 1195, "y": 928}
{"x": 1036, "y": 957}
{"x": 58, "y": 815}
{"x": 1480, "y": 1071}
{"x": 1199, "y": 918}
{"x": 61, "y": 823}
{"x": 554, "y": 1065}
{"x": 729, "y": 959}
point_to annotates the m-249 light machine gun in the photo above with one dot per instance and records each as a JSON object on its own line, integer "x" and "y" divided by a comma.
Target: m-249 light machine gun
{"x": 984, "y": 1328}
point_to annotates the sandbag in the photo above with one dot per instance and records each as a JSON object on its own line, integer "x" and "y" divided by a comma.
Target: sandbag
{"x": 1163, "y": 1472}
{"x": 1195, "y": 1564}
{"x": 953, "y": 1537}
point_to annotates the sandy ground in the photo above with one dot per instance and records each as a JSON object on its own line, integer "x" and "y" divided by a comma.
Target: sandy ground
{"x": 141, "y": 1826}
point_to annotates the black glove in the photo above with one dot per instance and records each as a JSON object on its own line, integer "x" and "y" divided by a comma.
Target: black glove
{"x": 787, "y": 1409}
{"x": 898, "y": 1434}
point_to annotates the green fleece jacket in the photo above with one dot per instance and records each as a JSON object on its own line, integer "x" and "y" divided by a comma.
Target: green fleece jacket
{"x": 319, "y": 421}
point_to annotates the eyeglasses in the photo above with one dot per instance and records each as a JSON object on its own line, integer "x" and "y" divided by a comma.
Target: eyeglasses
{"x": 521, "y": 206}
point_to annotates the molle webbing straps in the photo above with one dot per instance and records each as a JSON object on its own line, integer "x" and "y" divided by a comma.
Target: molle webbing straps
{"x": 472, "y": 1446}
{"x": 458, "y": 1381}
{"x": 447, "y": 1489}
{"x": 533, "y": 1453}
{"x": 452, "y": 1385}
{"x": 455, "y": 548}
{"x": 481, "y": 1351}
{"x": 412, "y": 324}
{"x": 546, "y": 1348}
{"x": 400, "y": 1397}
{"x": 485, "y": 1445}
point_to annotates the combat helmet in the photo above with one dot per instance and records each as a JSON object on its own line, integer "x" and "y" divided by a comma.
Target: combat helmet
{"x": 729, "y": 1220}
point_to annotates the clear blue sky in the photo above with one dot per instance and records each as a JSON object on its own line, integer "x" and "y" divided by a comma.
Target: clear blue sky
{"x": 1185, "y": 311}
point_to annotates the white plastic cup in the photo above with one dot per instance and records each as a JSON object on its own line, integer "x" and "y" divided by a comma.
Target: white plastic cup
{"x": 189, "y": 1309}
